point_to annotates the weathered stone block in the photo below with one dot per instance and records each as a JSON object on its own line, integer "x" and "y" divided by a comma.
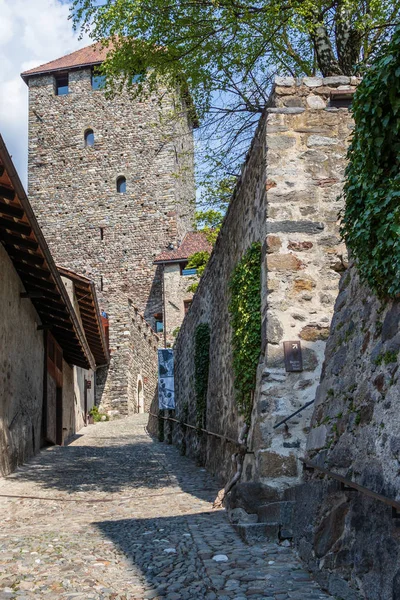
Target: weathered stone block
{"x": 310, "y": 227}
{"x": 312, "y": 82}
{"x": 272, "y": 465}
{"x": 303, "y": 284}
{"x": 316, "y": 102}
{"x": 312, "y": 333}
{"x": 283, "y": 262}
{"x": 317, "y": 438}
{"x": 274, "y": 330}
{"x": 300, "y": 246}
{"x": 330, "y": 529}
{"x": 280, "y": 142}
{"x": 274, "y": 243}
{"x": 336, "y": 81}
{"x": 285, "y": 81}
{"x": 321, "y": 140}
{"x": 254, "y": 533}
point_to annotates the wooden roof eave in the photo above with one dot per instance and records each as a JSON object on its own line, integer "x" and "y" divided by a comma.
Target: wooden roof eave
{"x": 90, "y": 313}
{"x": 87, "y": 357}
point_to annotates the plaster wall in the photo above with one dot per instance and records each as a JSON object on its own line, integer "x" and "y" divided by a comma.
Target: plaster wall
{"x": 22, "y": 365}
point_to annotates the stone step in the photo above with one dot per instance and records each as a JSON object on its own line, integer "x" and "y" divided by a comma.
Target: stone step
{"x": 253, "y": 533}
{"x": 276, "y": 512}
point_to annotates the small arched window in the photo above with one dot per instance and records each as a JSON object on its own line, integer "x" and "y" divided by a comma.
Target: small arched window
{"x": 89, "y": 137}
{"x": 121, "y": 185}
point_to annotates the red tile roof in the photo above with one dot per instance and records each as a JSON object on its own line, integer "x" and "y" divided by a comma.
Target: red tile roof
{"x": 192, "y": 242}
{"x": 91, "y": 55}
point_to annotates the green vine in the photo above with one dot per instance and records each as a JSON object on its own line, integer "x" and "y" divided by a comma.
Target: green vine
{"x": 201, "y": 369}
{"x": 245, "y": 318}
{"x": 371, "y": 221}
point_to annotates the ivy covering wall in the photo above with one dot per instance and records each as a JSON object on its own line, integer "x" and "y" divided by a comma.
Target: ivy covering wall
{"x": 371, "y": 221}
{"x": 245, "y": 316}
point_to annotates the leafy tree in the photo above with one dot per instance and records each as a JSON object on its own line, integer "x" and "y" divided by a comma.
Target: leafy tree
{"x": 371, "y": 218}
{"x": 226, "y": 52}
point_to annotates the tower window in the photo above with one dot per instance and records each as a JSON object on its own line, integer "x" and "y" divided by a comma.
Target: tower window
{"x": 98, "y": 82}
{"x": 62, "y": 85}
{"x": 102, "y": 233}
{"x": 89, "y": 137}
{"x": 121, "y": 185}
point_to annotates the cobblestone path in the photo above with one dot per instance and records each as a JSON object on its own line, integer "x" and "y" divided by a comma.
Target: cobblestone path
{"x": 115, "y": 515}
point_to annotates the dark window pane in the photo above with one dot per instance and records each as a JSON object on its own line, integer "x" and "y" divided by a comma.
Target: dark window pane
{"x": 98, "y": 82}
{"x": 89, "y": 137}
{"x": 62, "y": 85}
{"x": 121, "y": 185}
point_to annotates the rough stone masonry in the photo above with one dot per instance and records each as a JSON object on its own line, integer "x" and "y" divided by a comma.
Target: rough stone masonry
{"x": 110, "y": 237}
{"x": 288, "y": 199}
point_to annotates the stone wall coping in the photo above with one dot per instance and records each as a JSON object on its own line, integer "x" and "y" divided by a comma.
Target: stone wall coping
{"x": 313, "y": 82}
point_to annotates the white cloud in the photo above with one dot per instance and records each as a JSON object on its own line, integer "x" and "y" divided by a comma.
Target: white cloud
{"x": 32, "y": 32}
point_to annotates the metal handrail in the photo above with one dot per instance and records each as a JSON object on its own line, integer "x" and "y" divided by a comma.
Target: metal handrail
{"x": 221, "y": 437}
{"x": 348, "y": 483}
{"x": 293, "y": 414}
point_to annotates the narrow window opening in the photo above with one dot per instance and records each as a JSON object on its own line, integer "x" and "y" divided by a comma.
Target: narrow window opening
{"x": 89, "y": 137}
{"x": 102, "y": 233}
{"x": 101, "y": 283}
{"x": 62, "y": 85}
{"x": 121, "y": 185}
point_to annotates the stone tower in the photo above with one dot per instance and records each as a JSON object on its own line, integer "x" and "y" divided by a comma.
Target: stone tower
{"x": 111, "y": 182}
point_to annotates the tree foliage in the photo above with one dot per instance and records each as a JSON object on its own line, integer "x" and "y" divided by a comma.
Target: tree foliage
{"x": 245, "y": 318}
{"x": 226, "y": 52}
{"x": 371, "y": 221}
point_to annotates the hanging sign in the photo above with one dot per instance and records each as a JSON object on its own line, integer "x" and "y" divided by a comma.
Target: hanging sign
{"x": 166, "y": 389}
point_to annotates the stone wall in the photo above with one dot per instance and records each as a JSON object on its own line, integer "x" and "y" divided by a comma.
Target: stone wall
{"x": 352, "y": 540}
{"x": 243, "y": 225}
{"x": 22, "y": 365}
{"x": 307, "y": 141}
{"x": 143, "y": 362}
{"x": 110, "y": 237}
{"x": 287, "y": 198}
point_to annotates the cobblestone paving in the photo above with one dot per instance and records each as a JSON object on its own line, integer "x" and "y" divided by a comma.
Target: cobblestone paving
{"x": 115, "y": 515}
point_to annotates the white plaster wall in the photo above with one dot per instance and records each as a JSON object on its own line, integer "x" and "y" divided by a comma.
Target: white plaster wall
{"x": 21, "y": 372}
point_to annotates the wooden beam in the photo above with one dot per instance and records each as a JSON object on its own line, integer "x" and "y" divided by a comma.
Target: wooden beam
{"x": 11, "y": 210}
{"x": 14, "y": 226}
{"x": 40, "y": 284}
{"x": 11, "y": 239}
{"x": 32, "y": 259}
{"x": 7, "y": 193}
{"x": 32, "y": 270}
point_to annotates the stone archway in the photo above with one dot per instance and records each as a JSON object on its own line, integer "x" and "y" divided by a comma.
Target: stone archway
{"x": 140, "y": 396}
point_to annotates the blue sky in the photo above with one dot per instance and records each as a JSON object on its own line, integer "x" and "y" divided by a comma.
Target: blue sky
{"x": 32, "y": 32}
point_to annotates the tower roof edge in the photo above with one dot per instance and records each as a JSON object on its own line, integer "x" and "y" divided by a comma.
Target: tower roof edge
{"x": 94, "y": 54}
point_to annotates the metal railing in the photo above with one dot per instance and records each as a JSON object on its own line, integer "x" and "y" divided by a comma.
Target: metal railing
{"x": 349, "y": 484}
{"x": 217, "y": 435}
{"x": 293, "y": 414}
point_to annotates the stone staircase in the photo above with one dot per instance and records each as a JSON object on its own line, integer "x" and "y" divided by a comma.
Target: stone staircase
{"x": 273, "y": 522}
